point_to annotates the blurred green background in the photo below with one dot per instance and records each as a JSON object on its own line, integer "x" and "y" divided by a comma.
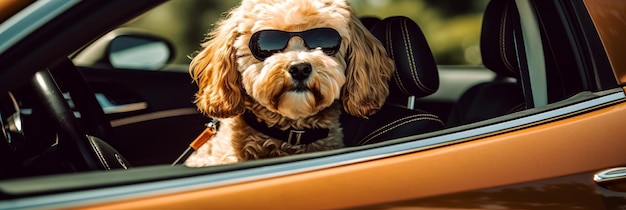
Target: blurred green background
{"x": 451, "y": 27}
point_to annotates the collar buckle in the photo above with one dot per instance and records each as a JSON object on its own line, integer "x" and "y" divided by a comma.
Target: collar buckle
{"x": 295, "y": 135}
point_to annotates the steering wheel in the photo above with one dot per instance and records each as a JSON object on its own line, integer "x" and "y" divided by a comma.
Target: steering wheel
{"x": 79, "y": 139}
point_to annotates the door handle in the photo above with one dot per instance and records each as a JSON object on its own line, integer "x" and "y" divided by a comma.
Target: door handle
{"x": 110, "y": 108}
{"x": 613, "y": 179}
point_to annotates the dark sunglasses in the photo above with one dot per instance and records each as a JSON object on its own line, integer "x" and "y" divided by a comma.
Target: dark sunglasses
{"x": 267, "y": 42}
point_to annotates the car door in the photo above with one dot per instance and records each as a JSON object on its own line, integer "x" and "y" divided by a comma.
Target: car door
{"x": 148, "y": 101}
{"x": 151, "y": 112}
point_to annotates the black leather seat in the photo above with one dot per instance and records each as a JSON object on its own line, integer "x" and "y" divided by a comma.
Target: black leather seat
{"x": 369, "y": 21}
{"x": 498, "y": 45}
{"x": 416, "y": 75}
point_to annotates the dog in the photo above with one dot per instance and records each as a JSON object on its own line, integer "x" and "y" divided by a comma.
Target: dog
{"x": 276, "y": 73}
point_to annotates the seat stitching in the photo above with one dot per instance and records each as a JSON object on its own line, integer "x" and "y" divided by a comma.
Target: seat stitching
{"x": 503, "y": 52}
{"x": 401, "y": 119}
{"x": 409, "y": 51}
{"x": 410, "y": 116}
{"x": 396, "y": 73}
{"x": 399, "y": 122}
{"x": 516, "y": 108}
{"x": 365, "y": 141}
{"x": 99, "y": 153}
{"x": 368, "y": 137}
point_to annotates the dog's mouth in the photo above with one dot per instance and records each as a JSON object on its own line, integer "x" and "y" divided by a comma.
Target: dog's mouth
{"x": 299, "y": 88}
{"x": 302, "y": 89}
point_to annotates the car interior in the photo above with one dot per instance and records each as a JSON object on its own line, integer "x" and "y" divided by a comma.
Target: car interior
{"x": 415, "y": 77}
{"x": 499, "y": 48}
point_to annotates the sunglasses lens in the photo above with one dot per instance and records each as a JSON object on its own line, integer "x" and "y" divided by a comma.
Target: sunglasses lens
{"x": 273, "y": 40}
{"x": 325, "y": 38}
{"x": 265, "y": 43}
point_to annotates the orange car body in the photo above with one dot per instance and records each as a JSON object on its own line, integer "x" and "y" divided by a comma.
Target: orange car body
{"x": 608, "y": 17}
{"x": 458, "y": 176}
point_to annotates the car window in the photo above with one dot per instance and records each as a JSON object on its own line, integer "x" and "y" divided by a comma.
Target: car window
{"x": 453, "y": 33}
{"x": 452, "y": 28}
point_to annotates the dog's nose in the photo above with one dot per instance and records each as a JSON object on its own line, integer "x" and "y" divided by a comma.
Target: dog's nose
{"x": 300, "y": 71}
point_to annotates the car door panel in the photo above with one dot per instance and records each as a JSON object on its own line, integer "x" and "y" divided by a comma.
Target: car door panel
{"x": 560, "y": 154}
{"x": 151, "y": 112}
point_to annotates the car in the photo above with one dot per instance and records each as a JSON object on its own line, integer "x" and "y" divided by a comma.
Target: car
{"x": 95, "y": 108}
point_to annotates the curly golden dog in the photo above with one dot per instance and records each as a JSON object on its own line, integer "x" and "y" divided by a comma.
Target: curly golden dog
{"x": 276, "y": 73}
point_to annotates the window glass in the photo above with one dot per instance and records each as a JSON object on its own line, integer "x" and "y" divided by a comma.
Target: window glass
{"x": 452, "y": 28}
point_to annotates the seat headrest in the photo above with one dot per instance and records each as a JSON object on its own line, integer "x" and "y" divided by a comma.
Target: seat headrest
{"x": 369, "y": 21}
{"x": 416, "y": 72}
{"x": 497, "y": 41}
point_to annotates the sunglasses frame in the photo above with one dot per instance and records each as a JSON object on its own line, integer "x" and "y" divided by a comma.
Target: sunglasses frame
{"x": 254, "y": 45}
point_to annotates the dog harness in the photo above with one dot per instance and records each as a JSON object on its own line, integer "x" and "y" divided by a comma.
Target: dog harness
{"x": 208, "y": 133}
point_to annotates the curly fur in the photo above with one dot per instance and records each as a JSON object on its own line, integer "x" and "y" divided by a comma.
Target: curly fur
{"x": 231, "y": 80}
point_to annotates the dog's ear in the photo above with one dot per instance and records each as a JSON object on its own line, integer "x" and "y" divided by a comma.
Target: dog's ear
{"x": 368, "y": 72}
{"x": 214, "y": 69}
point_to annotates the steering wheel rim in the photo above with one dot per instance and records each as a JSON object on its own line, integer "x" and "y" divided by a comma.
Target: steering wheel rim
{"x": 92, "y": 118}
{"x": 78, "y": 139}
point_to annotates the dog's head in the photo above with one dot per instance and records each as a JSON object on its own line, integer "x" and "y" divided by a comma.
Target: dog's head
{"x": 294, "y": 57}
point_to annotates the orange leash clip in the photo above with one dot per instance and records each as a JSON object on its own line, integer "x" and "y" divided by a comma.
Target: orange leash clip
{"x": 208, "y": 133}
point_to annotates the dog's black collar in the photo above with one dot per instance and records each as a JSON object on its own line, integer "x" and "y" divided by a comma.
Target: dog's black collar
{"x": 291, "y": 136}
